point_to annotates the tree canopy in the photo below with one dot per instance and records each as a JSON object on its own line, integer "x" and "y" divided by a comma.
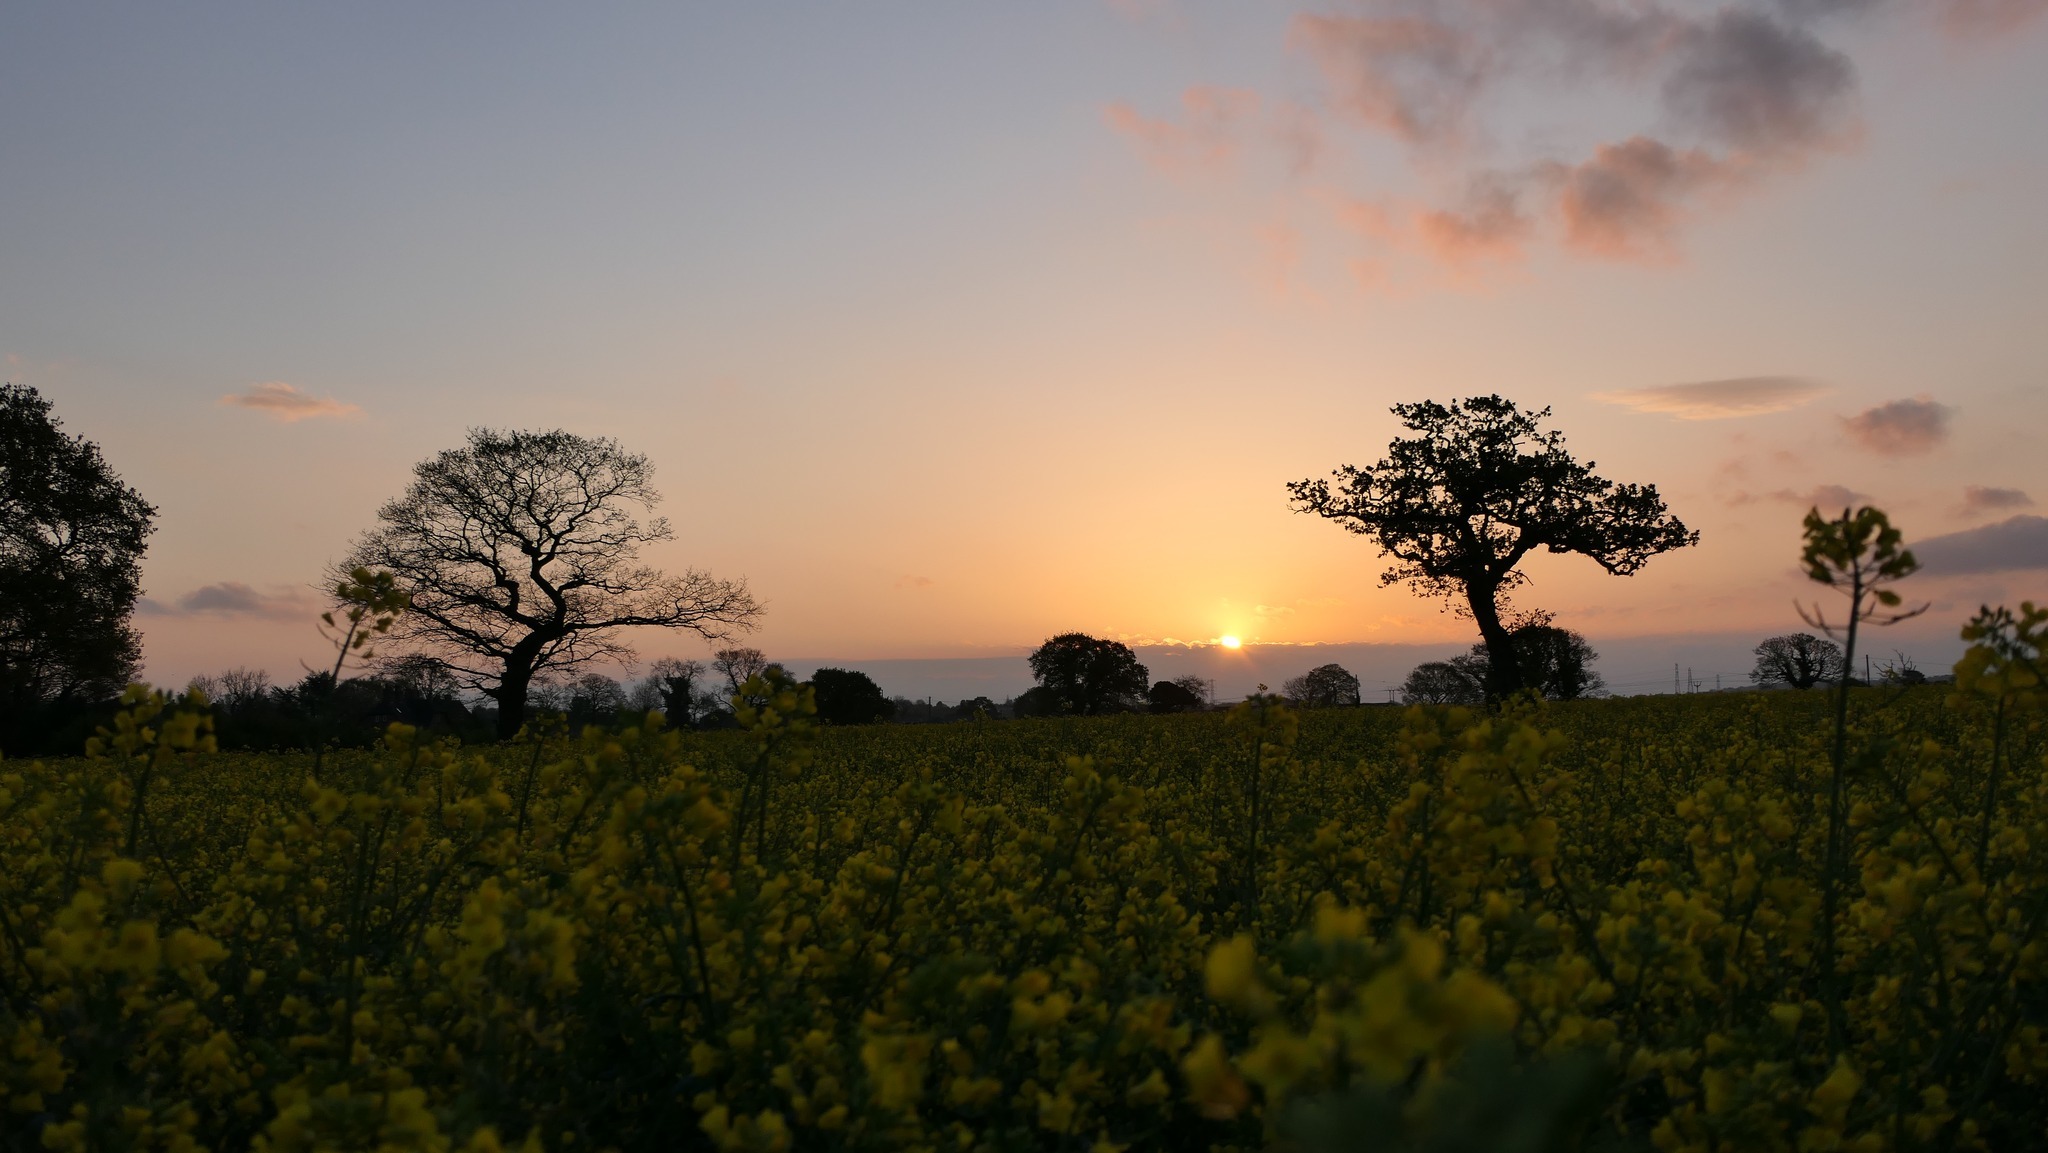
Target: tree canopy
{"x": 1323, "y": 687}
{"x": 1088, "y": 676}
{"x": 1460, "y": 505}
{"x": 1797, "y": 660}
{"x": 1442, "y": 683}
{"x": 849, "y": 697}
{"x": 521, "y": 551}
{"x": 72, "y": 536}
{"x": 1173, "y": 697}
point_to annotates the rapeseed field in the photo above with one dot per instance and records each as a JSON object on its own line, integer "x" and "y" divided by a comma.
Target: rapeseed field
{"x": 1648, "y": 923}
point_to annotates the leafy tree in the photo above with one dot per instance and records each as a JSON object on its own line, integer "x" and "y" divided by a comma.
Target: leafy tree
{"x": 1459, "y": 506}
{"x": 1800, "y": 660}
{"x": 973, "y": 707}
{"x": 1442, "y": 683}
{"x": 1174, "y": 697}
{"x": 71, "y": 542}
{"x": 1323, "y": 687}
{"x": 521, "y": 553}
{"x": 849, "y": 697}
{"x": 1089, "y": 676}
{"x": 1556, "y": 663}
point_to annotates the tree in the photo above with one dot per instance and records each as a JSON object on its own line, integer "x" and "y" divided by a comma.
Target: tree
{"x": 976, "y": 708}
{"x": 1036, "y": 702}
{"x": 1458, "y": 507}
{"x": 595, "y": 699}
{"x": 71, "y": 542}
{"x": 848, "y": 697}
{"x": 521, "y": 553}
{"x": 1323, "y": 687}
{"x": 1088, "y": 676}
{"x": 673, "y": 686}
{"x": 1556, "y": 663}
{"x": 1174, "y": 697}
{"x": 1800, "y": 660}
{"x": 1442, "y": 683}
{"x": 1203, "y": 688}
{"x": 738, "y": 666}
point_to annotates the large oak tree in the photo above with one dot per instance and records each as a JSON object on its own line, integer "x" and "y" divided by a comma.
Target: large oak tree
{"x": 521, "y": 551}
{"x": 1458, "y": 506}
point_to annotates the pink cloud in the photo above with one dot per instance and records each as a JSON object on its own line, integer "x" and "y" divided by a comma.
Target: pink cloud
{"x": 1204, "y": 140}
{"x": 1900, "y": 428}
{"x": 1975, "y": 18}
{"x": 283, "y": 402}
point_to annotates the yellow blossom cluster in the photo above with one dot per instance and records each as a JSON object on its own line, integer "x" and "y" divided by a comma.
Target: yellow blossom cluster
{"x": 1552, "y": 927}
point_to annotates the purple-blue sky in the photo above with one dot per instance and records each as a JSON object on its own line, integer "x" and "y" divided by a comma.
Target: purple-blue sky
{"x": 951, "y": 327}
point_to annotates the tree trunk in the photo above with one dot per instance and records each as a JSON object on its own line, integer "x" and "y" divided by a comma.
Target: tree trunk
{"x": 511, "y": 697}
{"x": 1503, "y": 668}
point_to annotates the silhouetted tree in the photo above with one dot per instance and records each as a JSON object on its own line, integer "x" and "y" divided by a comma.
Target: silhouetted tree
{"x": 595, "y": 699}
{"x": 1800, "y": 660}
{"x": 673, "y": 686}
{"x": 1323, "y": 687}
{"x": 1458, "y": 507}
{"x": 521, "y": 553}
{"x": 1036, "y": 702}
{"x": 977, "y": 707}
{"x": 849, "y": 697}
{"x": 71, "y": 542}
{"x": 1202, "y": 687}
{"x": 738, "y": 666}
{"x": 1089, "y": 676}
{"x": 1556, "y": 663}
{"x": 1174, "y": 697}
{"x": 1442, "y": 683}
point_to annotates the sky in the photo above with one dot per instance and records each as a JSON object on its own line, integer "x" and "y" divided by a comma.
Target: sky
{"x": 952, "y": 327}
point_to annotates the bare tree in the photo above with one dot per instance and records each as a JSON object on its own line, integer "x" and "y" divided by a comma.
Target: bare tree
{"x": 738, "y": 666}
{"x": 1459, "y": 506}
{"x": 1201, "y": 687}
{"x": 521, "y": 553}
{"x": 671, "y": 686}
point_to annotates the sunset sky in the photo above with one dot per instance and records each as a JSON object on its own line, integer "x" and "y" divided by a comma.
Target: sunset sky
{"x": 952, "y": 326}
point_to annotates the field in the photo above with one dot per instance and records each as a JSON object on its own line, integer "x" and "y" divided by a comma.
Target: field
{"x": 1666, "y": 922}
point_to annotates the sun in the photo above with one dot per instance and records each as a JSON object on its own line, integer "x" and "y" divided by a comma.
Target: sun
{"x": 1229, "y": 642}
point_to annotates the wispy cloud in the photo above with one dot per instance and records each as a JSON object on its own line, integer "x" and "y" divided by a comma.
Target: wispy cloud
{"x": 1900, "y": 428}
{"x": 2017, "y": 544}
{"x": 1718, "y": 399}
{"x": 1205, "y": 139}
{"x": 281, "y": 401}
{"x": 913, "y": 581}
{"x": 1978, "y": 500}
{"x": 1825, "y": 497}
